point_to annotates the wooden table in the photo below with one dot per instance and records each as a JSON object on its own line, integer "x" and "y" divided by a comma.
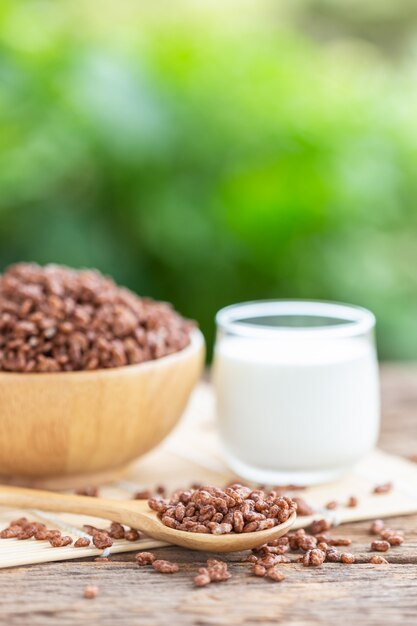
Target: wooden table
{"x": 333, "y": 594}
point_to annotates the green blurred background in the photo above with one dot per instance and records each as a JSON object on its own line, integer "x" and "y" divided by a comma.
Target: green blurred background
{"x": 211, "y": 152}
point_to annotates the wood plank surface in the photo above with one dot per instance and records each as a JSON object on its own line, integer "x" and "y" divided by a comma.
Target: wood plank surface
{"x": 333, "y": 594}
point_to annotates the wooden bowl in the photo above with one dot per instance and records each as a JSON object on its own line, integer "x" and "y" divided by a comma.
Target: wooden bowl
{"x": 70, "y": 423}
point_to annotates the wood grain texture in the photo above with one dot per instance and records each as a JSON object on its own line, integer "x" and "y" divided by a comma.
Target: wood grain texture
{"x": 334, "y": 594}
{"x": 68, "y": 423}
{"x": 130, "y": 595}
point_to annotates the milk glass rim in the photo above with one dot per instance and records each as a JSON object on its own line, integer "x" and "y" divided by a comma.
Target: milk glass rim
{"x": 356, "y": 320}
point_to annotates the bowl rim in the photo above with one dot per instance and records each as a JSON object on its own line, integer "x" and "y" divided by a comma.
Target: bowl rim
{"x": 196, "y": 343}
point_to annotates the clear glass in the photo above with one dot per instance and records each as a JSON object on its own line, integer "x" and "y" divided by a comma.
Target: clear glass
{"x": 297, "y": 389}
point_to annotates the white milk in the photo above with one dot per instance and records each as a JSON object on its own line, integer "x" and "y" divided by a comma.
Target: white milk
{"x": 300, "y": 410}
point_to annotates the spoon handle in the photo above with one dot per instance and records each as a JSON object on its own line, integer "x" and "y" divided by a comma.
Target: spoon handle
{"x": 114, "y": 510}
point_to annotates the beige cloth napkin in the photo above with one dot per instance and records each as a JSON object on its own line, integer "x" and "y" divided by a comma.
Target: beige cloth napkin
{"x": 192, "y": 453}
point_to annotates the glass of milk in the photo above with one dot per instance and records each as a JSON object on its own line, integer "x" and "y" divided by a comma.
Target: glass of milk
{"x": 297, "y": 389}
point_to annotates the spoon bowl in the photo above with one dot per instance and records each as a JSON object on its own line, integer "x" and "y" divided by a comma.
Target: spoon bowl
{"x": 231, "y": 542}
{"x": 137, "y": 514}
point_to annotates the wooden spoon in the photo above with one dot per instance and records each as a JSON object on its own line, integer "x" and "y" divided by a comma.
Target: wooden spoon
{"x": 137, "y": 514}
